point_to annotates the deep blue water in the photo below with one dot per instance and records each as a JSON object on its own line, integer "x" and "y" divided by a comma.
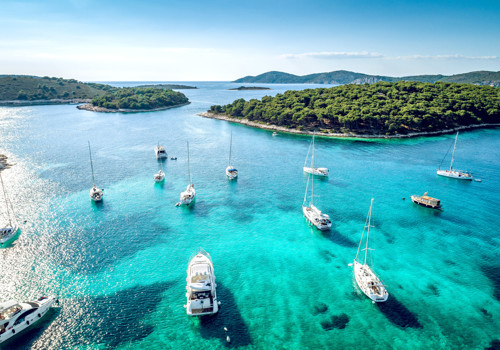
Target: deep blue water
{"x": 119, "y": 268}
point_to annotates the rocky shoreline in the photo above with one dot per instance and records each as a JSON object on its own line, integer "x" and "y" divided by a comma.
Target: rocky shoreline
{"x": 89, "y": 107}
{"x": 341, "y": 135}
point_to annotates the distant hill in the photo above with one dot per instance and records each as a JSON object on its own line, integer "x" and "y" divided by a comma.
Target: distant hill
{"x": 168, "y": 86}
{"x": 342, "y": 77}
{"x": 32, "y": 90}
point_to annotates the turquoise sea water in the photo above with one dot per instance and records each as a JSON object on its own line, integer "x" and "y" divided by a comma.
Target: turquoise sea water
{"x": 119, "y": 267}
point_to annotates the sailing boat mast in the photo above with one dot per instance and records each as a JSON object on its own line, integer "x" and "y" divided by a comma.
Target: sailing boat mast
{"x": 6, "y": 200}
{"x": 312, "y": 159}
{"x": 91, "y": 165}
{"x": 312, "y": 190}
{"x": 453, "y": 154}
{"x": 368, "y": 232}
{"x": 367, "y": 225}
{"x": 189, "y": 169}
{"x": 230, "y": 146}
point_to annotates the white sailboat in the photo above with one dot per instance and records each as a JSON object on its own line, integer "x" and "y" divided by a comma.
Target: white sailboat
{"x": 9, "y": 229}
{"x": 160, "y": 152}
{"x": 189, "y": 194}
{"x": 366, "y": 279}
{"x": 17, "y": 317}
{"x": 313, "y": 214}
{"x": 454, "y": 174}
{"x": 159, "y": 176}
{"x": 231, "y": 171}
{"x": 95, "y": 193}
{"x": 311, "y": 169}
{"x": 201, "y": 288}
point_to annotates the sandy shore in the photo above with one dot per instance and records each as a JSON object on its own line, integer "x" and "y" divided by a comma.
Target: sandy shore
{"x": 339, "y": 135}
{"x": 89, "y": 107}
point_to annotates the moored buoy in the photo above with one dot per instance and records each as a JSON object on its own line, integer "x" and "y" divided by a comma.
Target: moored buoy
{"x": 228, "y": 339}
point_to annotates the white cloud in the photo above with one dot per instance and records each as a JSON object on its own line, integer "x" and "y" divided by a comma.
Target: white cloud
{"x": 333, "y": 55}
{"x": 444, "y": 57}
{"x": 368, "y": 55}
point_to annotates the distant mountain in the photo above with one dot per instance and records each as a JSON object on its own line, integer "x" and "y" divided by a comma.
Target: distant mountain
{"x": 342, "y": 77}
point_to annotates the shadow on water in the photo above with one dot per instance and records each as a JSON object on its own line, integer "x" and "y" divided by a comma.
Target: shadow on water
{"x": 229, "y": 317}
{"x": 337, "y": 238}
{"x": 492, "y": 272}
{"x": 94, "y": 249}
{"x": 27, "y": 339}
{"x": 398, "y": 314}
{"x": 111, "y": 320}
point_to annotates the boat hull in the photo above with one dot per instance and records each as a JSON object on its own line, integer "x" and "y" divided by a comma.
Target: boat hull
{"x": 188, "y": 196}
{"x": 415, "y": 199}
{"x": 29, "y": 320}
{"x": 96, "y": 194}
{"x": 369, "y": 283}
{"x": 320, "y": 221}
{"x": 159, "y": 177}
{"x": 459, "y": 175}
{"x": 8, "y": 233}
{"x": 201, "y": 287}
{"x": 231, "y": 172}
{"x": 316, "y": 171}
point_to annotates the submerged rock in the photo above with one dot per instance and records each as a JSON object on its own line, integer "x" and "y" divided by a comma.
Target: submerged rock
{"x": 336, "y": 321}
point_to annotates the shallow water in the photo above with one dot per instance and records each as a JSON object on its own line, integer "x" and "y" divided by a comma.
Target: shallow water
{"x": 119, "y": 267}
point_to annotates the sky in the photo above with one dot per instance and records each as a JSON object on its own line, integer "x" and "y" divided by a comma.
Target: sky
{"x": 223, "y": 40}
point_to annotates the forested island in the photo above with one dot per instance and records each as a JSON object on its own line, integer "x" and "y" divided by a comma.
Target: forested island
{"x": 381, "y": 110}
{"x": 30, "y": 90}
{"x": 341, "y": 77}
{"x": 136, "y": 100}
{"x": 242, "y": 88}
{"x": 168, "y": 86}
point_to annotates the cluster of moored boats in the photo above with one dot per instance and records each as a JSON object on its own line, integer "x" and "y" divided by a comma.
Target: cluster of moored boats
{"x": 201, "y": 287}
{"x": 366, "y": 278}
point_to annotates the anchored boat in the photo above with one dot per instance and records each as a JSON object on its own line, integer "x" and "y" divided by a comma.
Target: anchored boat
{"x": 313, "y": 214}
{"x": 231, "y": 171}
{"x": 189, "y": 194}
{"x": 311, "y": 169}
{"x": 9, "y": 230}
{"x": 366, "y": 279}
{"x": 201, "y": 288}
{"x": 160, "y": 152}
{"x": 454, "y": 174}
{"x": 16, "y": 317}
{"x": 95, "y": 193}
{"x": 426, "y": 201}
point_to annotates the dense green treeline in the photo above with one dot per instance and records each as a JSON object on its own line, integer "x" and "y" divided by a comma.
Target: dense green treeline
{"x": 140, "y": 98}
{"x": 381, "y": 108}
{"x": 31, "y": 88}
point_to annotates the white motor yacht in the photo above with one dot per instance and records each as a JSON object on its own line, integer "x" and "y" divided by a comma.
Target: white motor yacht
{"x": 159, "y": 176}
{"x": 160, "y": 152}
{"x": 366, "y": 279}
{"x": 16, "y": 317}
{"x": 201, "y": 288}
{"x": 312, "y": 169}
{"x": 8, "y": 231}
{"x": 95, "y": 193}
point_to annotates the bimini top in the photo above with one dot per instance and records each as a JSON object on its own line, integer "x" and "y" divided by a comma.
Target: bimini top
{"x": 232, "y": 169}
